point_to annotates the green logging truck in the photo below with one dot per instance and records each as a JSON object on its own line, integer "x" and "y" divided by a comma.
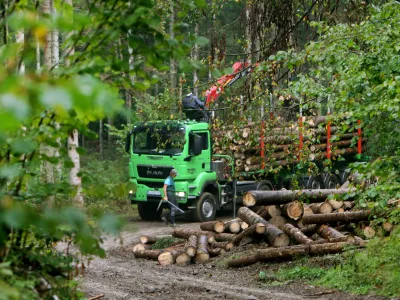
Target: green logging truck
{"x": 206, "y": 181}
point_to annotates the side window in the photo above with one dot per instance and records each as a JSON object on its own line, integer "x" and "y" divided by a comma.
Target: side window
{"x": 204, "y": 141}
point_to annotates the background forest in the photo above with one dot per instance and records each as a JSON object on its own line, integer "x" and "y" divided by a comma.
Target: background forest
{"x": 74, "y": 76}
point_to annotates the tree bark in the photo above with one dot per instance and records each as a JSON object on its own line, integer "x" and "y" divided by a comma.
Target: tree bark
{"x": 172, "y": 70}
{"x": 329, "y": 233}
{"x": 346, "y": 217}
{"x": 186, "y": 233}
{"x": 270, "y": 211}
{"x": 191, "y": 246}
{"x": 148, "y": 254}
{"x": 223, "y": 245}
{"x": 252, "y": 198}
{"x": 273, "y": 235}
{"x": 295, "y": 233}
{"x": 288, "y": 252}
{"x": 202, "y": 254}
{"x": 224, "y": 237}
{"x": 215, "y": 226}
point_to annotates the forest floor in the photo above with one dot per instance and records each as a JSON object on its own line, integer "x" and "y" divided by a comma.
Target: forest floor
{"x": 121, "y": 276}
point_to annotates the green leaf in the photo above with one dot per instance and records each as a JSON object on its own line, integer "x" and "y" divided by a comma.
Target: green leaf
{"x": 202, "y": 41}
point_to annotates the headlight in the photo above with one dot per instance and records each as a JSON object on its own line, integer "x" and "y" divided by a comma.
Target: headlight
{"x": 180, "y": 194}
{"x": 131, "y": 192}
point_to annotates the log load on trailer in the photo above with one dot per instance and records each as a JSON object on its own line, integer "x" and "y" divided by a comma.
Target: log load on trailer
{"x": 217, "y": 163}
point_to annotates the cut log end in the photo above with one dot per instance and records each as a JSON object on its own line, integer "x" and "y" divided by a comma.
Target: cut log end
{"x": 282, "y": 240}
{"x": 166, "y": 258}
{"x": 201, "y": 257}
{"x": 249, "y": 200}
{"x": 183, "y": 259}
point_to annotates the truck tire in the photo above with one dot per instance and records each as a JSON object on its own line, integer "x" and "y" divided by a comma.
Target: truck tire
{"x": 149, "y": 212}
{"x": 331, "y": 181}
{"x": 314, "y": 182}
{"x": 206, "y": 208}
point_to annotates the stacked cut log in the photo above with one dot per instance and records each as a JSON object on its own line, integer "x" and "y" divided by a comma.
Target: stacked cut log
{"x": 243, "y": 141}
{"x": 313, "y": 228}
{"x": 282, "y": 227}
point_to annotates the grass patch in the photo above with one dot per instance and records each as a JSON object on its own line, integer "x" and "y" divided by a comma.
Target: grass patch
{"x": 166, "y": 242}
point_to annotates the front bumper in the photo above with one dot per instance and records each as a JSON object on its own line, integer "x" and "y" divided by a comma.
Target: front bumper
{"x": 145, "y": 193}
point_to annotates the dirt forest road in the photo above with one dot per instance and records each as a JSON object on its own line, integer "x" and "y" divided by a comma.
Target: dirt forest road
{"x": 121, "y": 276}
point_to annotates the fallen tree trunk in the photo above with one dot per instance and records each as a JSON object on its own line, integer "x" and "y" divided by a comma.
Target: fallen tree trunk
{"x": 140, "y": 247}
{"x": 216, "y": 251}
{"x": 252, "y": 198}
{"x": 345, "y": 217}
{"x": 223, "y": 245}
{"x": 202, "y": 254}
{"x": 223, "y": 237}
{"x": 191, "y": 246}
{"x": 329, "y": 233}
{"x": 149, "y": 239}
{"x": 186, "y": 233}
{"x": 295, "y": 233}
{"x": 148, "y": 254}
{"x": 215, "y": 226}
{"x": 232, "y": 226}
{"x": 288, "y": 252}
{"x": 258, "y": 228}
{"x": 183, "y": 259}
{"x": 169, "y": 257}
{"x": 293, "y": 210}
{"x": 273, "y": 235}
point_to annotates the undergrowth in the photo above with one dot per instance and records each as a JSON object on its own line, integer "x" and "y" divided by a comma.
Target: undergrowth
{"x": 374, "y": 270}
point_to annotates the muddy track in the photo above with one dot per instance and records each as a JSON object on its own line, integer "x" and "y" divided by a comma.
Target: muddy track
{"x": 121, "y": 276}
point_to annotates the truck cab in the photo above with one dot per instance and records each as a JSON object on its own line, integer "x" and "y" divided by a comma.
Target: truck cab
{"x": 157, "y": 147}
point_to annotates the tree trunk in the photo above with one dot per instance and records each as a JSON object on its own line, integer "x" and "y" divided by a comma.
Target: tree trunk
{"x": 293, "y": 210}
{"x": 216, "y": 251}
{"x": 223, "y": 245}
{"x": 101, "y": 138}
{"x": 252, "y": 198}
{"x": 258, "y": 228}
{"x": 74, "y": 179}
{"x": 232, "y": 226}
{"x": 215, "y": 226}
{"x": 148, "y": 254}
{"x": 73, "y": 138}
{"x": 20, "y": 39}
{"x": 270, "y": 211}
{"x": 295, "y": 233}
{"x": 288, "y": 252}
{"x": 141, "y": 247}
{"x": 169, "y": 257}
{"x": 183, "y": 259}
{"x": 186, "y": 233}
{"x": 329, "y": 233}
{"x": 191, "y": 246}
{"x": 149, "y": 239}
{"x": 172, "y": 70}
{"x": 278, "y": 221}
{"x": 196, "y": 57}
{"x": 346, "y": 217}
{"x": 224, "y": 237}
{"x": 273, "y": 235}
{"x": 202, "y": 250}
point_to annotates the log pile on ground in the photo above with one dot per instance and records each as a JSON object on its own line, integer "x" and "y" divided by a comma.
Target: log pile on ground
{"x": 285, "y": 228}
{"x": 281, "y": 139}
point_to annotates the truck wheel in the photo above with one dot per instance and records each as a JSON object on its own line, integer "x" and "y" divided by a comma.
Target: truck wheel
{"x": 331, "y": 181}
{"x": 206, "y": 208}
{"x": 148, "y": 211}
{"x": 314, "y": 183}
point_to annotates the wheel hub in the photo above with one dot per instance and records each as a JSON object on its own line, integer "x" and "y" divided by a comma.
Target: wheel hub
{"x": 207, "y": 209}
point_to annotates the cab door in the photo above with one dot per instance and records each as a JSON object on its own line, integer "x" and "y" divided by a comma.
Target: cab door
{"x": 199, "y": 152}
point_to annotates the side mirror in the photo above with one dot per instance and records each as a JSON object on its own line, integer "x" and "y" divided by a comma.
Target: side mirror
{"x": 198, "y": 145}
{"x": 128, "y": 142}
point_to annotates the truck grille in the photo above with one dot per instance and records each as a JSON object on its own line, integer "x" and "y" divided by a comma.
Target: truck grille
{"x": 146, "y": 171}
{"x": 155, "y": 185}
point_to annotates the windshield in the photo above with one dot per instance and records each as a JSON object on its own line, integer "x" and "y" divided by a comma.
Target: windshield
{"x": 159, "y": 140}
